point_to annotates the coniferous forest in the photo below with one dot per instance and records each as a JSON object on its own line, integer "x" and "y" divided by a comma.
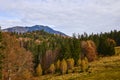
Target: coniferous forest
{"x": 28, "y": 56}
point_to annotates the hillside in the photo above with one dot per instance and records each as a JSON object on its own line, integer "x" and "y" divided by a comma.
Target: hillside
{"x": 22, "y": 29}
{"x": 106, "y": 68}
{"x": 16, "y": 60}
{"x": 40, "y": 55}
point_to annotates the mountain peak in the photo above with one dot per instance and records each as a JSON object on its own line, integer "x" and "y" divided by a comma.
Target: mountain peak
{"x": 22, "y": 29}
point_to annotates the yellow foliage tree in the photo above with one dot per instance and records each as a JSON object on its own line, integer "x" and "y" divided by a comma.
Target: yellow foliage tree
{"x": 70, "y": 63}
{"x": 57, "y": 65}
{"x": 63, "y": 66}
{"x": 52, "y": 68}
{"x": 84, "y": 64}
{"x": 39, "y": 70}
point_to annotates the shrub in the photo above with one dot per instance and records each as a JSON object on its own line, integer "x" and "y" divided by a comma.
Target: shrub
{"x": 84, "y": 64}
{"x": 70, "y": 63}
{"x": 39, "y": 70}
{"x": 52, "y": 68}
{"x": 63, "y": 66}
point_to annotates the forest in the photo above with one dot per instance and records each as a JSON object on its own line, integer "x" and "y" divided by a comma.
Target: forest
{"x": 30, "y": 55}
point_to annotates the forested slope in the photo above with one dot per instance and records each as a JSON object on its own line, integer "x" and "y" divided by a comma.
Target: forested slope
{"x": 32, "y": 54}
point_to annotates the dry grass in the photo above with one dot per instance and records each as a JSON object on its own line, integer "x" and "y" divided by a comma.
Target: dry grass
{"x": 107, "y": 68}
{"x": 117, "y": 50}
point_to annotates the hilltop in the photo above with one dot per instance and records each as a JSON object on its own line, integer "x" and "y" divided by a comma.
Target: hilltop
{"x": 22, "y": 29}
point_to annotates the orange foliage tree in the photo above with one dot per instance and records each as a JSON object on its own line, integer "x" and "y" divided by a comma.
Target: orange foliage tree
{"x": 88, "y": 50}
{"x": 16, "y": 59}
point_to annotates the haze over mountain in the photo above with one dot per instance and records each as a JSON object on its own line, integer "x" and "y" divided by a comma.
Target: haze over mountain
{"x": 22, "y": 29}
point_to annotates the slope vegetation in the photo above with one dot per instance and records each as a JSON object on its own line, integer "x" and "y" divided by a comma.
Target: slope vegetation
{"x": 107, "y": 68}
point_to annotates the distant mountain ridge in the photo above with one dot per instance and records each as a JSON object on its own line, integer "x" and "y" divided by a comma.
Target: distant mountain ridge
{"x": 21, "y": 29}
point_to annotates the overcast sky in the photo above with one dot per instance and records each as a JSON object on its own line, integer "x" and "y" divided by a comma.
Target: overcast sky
{"x": 67, "y": 16}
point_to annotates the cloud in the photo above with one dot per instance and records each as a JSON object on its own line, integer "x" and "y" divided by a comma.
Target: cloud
{"x": 68, "y": 16}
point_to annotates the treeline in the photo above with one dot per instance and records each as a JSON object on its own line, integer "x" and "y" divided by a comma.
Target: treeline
{"x": 36, "y": 53}
{"x": 105, "y": 42}
{"x": 48, "y": 48}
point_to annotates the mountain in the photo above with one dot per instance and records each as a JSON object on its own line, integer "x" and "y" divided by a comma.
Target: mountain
{"x": 21, "y": 29}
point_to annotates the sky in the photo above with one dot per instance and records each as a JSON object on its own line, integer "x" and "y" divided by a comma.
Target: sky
{"x": 67, "y": 16}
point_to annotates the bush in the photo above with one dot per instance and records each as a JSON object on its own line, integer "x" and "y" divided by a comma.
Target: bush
{"x": 39, "y": 70}
{"x": 63, "y": 66}
{"x": 52, "y": 68}
{"x": 84, "y": 64}
{"x": 70, "y": 63}
{"x": 57, "y": 65}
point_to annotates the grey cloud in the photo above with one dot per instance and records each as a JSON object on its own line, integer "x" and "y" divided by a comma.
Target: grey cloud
{"x": 68, "y": 16}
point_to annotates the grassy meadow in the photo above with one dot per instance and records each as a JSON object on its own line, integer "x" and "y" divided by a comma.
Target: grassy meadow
{"x": 106, "y": 68}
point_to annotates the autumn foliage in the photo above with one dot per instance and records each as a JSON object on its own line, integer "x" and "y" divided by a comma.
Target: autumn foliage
{"x": 26, "y": 75}
{"x": 16, "y": 59}
{"x": 29, "y": 55}
{"x": 48, "y": 58}
{"x": 52, "y": 68}
{"x": 88, "y": 50}
{"x": 39, "y": 70}
{"x": 70, "y": 63}
{"x": 57, "y": 65}
{"x": 1, "y": 55}
{"x": 84, "y": 64}
{"x": 63, "y": 66}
